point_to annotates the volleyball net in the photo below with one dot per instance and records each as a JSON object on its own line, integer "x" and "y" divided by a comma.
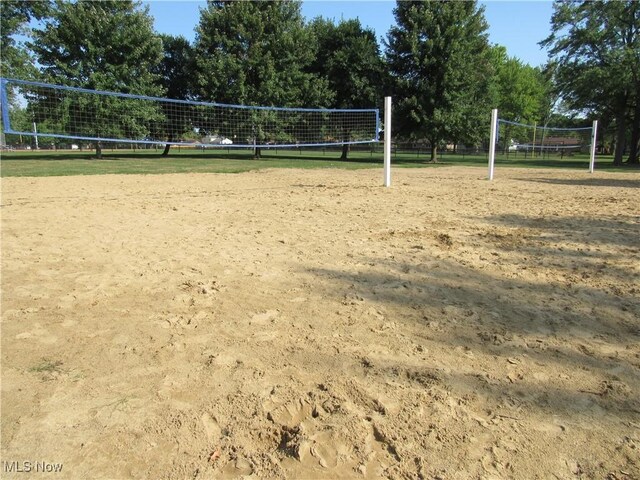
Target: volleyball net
{"x": 542, "y": 139}
{"x": 508, "y": 137}
{"x": 57, "y": 111}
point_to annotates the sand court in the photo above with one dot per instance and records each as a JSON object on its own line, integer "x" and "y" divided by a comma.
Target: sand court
{"x": 313, "y": 324}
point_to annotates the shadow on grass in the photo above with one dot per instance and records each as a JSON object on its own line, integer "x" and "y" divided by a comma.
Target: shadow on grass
{"x": 50, "y": 156}
{"x": 245, "y": 155}
{"x": 181, "y": 158}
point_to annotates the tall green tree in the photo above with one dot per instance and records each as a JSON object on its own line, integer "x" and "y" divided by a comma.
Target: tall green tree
{"x": 521, "y": 89}
{"x": 15, "y": 58}
{"x": 348, "y": 57}
{"x": 107, "y": 45}
{"x": 521, "y": 93}
{"x": 594, "y": 52}
{"x": 439, "y": 54}
{"x": 175, "y": 75}
{"x": 256, "y": 53}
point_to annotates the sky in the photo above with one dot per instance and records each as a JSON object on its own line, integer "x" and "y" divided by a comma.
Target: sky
{"x": 516, "y": 25}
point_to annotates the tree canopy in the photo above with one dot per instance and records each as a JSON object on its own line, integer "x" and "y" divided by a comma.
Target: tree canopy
{"x": 107, "y": 45}
{"x": 438, "y": 55}
{"x": 594, "y": 51}
{"x": 256, "y": 53}
{"x": 15, "y": 59}
{"x": 175, "y": 70}
{"x": 348, "y": 59}
{"x": 175, "y": 75}
{"x": 521, "y": 91}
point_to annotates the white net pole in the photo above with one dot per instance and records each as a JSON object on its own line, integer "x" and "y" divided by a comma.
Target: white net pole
{"x": 592, "y": 160}
{"x": 387, "y": 141}
{"x": 492, "y": 141}
{"x": 35, "y": 134}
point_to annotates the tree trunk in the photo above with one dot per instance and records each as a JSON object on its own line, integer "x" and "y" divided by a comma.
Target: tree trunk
{"x": 98, "y": 150}
{"x": 620, "y": 140}
{"x": 345, "y": 147}
{"x": 507, "y": 139}
{"x": 345, "y": 151}
{"x": 634, "y": 154}
{"x": 167, "y": 147}
{"x": 434, "y": 153}
{"x": 256, "y": 153}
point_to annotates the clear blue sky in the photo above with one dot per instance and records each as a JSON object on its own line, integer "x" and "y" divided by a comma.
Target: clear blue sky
{"x": 517, "y": 25}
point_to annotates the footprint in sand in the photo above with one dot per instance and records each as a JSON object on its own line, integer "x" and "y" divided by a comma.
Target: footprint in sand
{"x": 313, "y": 442}
{"x": 211, "y": 427}
{"x": 324, "y": 449}
{"x": 265, "y": 317}
{"x": 291, "y": 414}
{"x": 40, "y": 333}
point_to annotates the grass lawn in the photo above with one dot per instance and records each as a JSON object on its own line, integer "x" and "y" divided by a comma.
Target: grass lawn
{"x": 62, "y": 163}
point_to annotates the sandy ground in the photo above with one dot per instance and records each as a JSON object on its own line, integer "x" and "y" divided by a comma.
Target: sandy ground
{"x": 313, "y": 324}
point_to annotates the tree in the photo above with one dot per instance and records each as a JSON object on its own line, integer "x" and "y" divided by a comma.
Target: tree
{"x": 348, "y": 57}
{"x": 15, "y": 15}
{"x": 520, "y": 88}
{"x": 520, "y": 91}
{"x": 593, "y": 47}
{"x": 439, "y": 55}
{"x": 107, "y": 45}
{"x": 175, "y": 75}
{"x": 16, "y": 60}
{"x": 256, "y": 53}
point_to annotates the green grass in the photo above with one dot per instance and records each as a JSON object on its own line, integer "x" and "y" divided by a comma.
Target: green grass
{"x": 64, "y": 163}
{"x": 50, "y": 163}
{"x": 47, "y": 366}
{"x": 48, "y": 369}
